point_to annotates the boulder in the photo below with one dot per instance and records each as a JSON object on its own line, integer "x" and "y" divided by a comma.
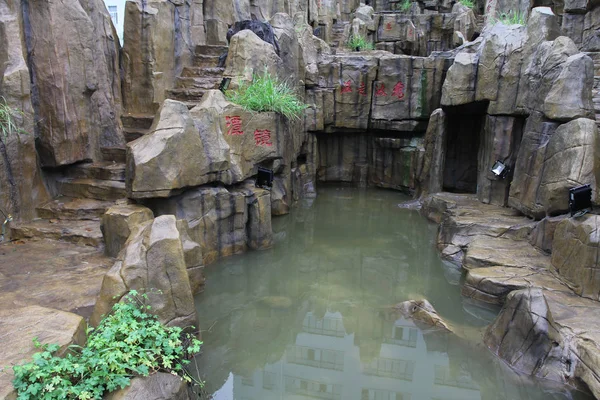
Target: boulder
{"x": 280, "y": 202}
{"x": 248, "y": 56}
{"x": 154, "y": 167}
{"x": 569, "y": 101}
{"x": 499, "y": 70}
{"x": 194, "y": 261}
{"x": 153, "y": 261}
{"x": 81, "y": 114}
{"x": 154, "y": 52}
{"x": 460, "y": 83}
{"x": 119, "y": 222}
{"x": 429, "y": 178}
{"x": 158, "y": 386}
{"x": 251, "y": 138}
{"x": 263, "y": 30}
{"x": 220, "y": 15}
{"x": 290, "y": 51}
{"x": 541, "y": 70}
{"x": 575, "y": 254}
{"x": 407, "y": 88}
{"x": 217, "y": 219}
{"x": 423, "y": 314}
{"x": 18, "y": 328}
{"x": 311, "y": 51}
{"x": 527, "y": 338}
{"x": 260, "y": 232}
{"x": 552, "y": 160}
{"x": 542, "y": 235}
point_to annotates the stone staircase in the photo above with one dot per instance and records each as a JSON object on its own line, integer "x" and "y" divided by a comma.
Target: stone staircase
{"x": 337, "y": 34}
{"x": 86, "y": 191}
{"x": 205, "y": 74}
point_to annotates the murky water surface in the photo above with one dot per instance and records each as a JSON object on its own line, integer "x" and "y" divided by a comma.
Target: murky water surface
{"x": 311, "y": 317}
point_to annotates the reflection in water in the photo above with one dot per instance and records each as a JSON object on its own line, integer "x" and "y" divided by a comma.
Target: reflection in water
{"x": 311, "y": 318}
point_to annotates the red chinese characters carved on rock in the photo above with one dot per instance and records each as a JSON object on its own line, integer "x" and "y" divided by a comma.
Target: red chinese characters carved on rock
{"x": 347, "y": 87}
{"x": 388, "y": 26}
{"x": 380, "y": 90}
{"x": 234, "y": 125}
{"x": 262, "y": 137}
{"x": 362, "y": 89}
{"x": 398, "y": 90}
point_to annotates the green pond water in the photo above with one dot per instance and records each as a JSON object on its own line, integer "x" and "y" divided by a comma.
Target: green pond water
{"x": 311, "y": 318}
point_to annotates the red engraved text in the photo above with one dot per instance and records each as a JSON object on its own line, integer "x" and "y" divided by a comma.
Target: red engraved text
{"x": 347, "y": 87}
{"x": 234, "y": 125}
{"x": 262, "y": 137}
{"x": 380, "y": 90}
{"x": 388, "y": 26}
{"x": 362, "y": 89}
{"x": 398, "y": 90}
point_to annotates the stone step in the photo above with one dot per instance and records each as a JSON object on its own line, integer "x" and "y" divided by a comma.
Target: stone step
{"x": 104, "y": 170}
{"x": 137, "y": 121}
{"x": 116, "y": 154}
{"x": 132, "y": 134}
{"x": 211, "y": 50}
{"x": 201, "y": 60}
{"x": 84, "y": 232}
{"x": 197, "y": 83}
{"x": 201, "y": 72}
{"x": 70, "y": 208}
{"x": 92, "y": 188}
{"x": 186, "y": 95}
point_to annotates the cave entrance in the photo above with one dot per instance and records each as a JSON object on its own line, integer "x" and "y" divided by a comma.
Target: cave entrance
{"x": 464, "y": 131}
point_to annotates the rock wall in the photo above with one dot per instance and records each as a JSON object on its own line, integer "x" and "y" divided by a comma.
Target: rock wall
{"x": 74, "y": 65}
{"x": 513, "y": 81}
{"x": 160, "y": 37}
{"x": 21, "y": 185}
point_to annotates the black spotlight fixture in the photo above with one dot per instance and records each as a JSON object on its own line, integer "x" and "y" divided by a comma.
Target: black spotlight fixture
{"x": 224, "y": 84}
{"x": 500, "y": 169}
{"x": 580, "y": 198}
{"x": 264, "y": 178}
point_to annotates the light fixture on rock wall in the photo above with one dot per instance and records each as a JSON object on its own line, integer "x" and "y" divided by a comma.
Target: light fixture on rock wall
{"x": 580, "y": 199}
{"x": 500, "y": 169}
{"x": 264, "y": 178}
{"x": 224, "y": 84}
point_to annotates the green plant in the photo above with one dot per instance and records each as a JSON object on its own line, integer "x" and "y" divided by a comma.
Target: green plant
{"x": 127, "y": 343}
{"x": 359, "y": 42}
{"x": 267, "y": 93}
{"x": 8, "y": 119}
{"x": 467, "y": 3}
{"x": 511, "y": 18}
{"x": 405, "y": 5}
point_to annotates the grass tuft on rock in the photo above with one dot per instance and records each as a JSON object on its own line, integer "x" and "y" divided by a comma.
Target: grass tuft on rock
{"x": 405, "y": 5}
{"x": 128, "y": 343}
{"x": 358, "y": 42}
{"x": 511, "y": 18}
{"x": 8, "y": 119}
{"x": 267, "y": 93}
{"x": 467, "y": 3}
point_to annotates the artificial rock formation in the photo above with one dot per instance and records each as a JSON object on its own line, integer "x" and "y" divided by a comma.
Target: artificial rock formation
{"x": 158, "y": 386}
{"x": 119, "y": 222}
{"x": 77, "y": 117}
{"x": 18, "y": 328}
{"x": 153, "y": 261}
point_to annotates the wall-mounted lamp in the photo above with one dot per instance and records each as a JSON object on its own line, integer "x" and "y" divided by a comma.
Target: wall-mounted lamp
{"x": 264, "y": 178}
{"x": 580, "y": 198}
{"x": 224, "y": 84}
{"x": 500, "y": 170}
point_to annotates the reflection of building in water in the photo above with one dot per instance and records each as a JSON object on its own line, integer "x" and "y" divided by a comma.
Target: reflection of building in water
{"x": 325, "y": 363}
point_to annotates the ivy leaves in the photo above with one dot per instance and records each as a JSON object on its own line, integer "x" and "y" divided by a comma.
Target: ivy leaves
{"x": 129, "y": 342}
